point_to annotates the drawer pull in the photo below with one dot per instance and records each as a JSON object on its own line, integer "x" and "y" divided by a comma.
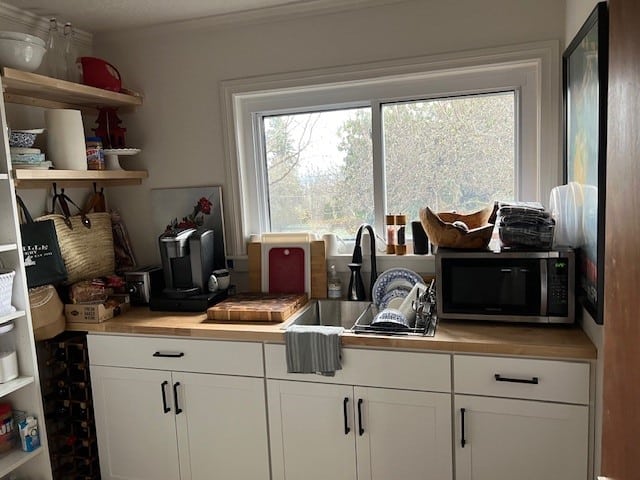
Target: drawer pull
{"x": 164, "y": 397}
{"x": 532, "y": 381}
{"x": 463, "y": 442}
{"x": 175, "y": 396}
{"x": 169, "y": 354}
{"x": 360, "y": 428}
{"x": 345, "y": 407}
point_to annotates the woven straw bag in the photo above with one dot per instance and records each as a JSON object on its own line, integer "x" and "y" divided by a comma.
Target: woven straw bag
{"x": 87, "y": 251}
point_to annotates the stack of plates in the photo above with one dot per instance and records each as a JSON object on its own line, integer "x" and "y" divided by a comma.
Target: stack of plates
{"x": 393, "y": 286}
{"x": 28, "y": 158}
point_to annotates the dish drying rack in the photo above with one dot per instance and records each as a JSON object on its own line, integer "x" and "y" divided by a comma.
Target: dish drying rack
{"x": 426, "y": 318}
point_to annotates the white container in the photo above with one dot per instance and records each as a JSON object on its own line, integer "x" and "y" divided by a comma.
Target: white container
{"x": 6, "y": 291}
{"x": 8, "y": 357}
{"x": 65, "y": 139}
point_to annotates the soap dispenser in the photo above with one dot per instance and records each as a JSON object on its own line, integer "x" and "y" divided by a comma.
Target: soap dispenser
{"x": 334, "y": 284}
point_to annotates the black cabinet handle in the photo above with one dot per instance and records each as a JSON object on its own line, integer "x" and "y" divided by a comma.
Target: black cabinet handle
{"x": 175, "y": 397}
{"x": 360, "y": 429}
{"x": 169, "y": 354}
{"x": 345, "y": 406}
{"x": 463, "y": 442}
{"x": 532, "y": 381}
{"x": 164, "y": 397}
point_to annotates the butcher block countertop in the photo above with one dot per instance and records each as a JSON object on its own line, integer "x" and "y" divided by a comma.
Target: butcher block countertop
{"x": 466, "y": 337}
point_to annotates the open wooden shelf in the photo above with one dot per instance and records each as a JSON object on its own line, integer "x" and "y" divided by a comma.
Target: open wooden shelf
{"x": 32, "y": 89}
{"x": 25, "y": 178}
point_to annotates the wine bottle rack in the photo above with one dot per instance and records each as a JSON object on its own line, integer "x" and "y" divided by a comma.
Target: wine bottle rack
{"x": 68, "y": 407}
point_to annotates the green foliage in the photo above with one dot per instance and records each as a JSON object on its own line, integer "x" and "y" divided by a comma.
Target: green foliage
{"x": 449, "y": 154}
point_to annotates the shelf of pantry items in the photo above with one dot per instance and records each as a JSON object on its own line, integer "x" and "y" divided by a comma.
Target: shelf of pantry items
{"x": 26, "y": 178}
{"x": 38, "y": 90}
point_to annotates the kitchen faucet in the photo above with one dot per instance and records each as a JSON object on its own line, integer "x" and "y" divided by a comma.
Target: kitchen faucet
{"x": 356, "y": 286}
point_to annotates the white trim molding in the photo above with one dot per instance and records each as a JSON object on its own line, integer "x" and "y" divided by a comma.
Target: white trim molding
{"x": 533, "y": 69}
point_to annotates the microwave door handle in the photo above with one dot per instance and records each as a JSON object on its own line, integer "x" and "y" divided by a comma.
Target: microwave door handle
{"x": 543, "y": 286}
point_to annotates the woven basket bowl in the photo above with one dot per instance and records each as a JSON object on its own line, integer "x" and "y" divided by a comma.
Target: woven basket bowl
{"x": 443, "y": 233}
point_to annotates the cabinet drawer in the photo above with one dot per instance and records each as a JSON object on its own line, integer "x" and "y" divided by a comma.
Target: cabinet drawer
{"x": 373, "y": 368}
{"x": 186, "y": 355}
{"x": 522, "y": 378}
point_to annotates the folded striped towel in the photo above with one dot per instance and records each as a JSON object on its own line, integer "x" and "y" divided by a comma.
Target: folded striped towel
{"x": 313, "y": 349}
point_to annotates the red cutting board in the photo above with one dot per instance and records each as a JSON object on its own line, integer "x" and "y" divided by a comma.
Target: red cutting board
{"x": 256, "y": 307}
{"x": 286, "y": 270}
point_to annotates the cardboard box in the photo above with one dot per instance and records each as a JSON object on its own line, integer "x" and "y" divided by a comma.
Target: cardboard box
{"x": 96, "y": 313}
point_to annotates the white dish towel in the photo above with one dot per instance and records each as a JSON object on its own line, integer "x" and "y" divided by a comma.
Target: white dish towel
{"x": 313, "y": 349}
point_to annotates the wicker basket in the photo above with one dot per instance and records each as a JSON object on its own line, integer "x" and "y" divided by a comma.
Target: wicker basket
{"x": 6, "y": 290}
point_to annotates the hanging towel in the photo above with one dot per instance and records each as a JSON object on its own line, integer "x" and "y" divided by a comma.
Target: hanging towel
{"x": 313, "y": 349}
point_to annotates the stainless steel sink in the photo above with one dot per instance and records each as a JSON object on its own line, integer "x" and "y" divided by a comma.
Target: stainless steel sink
{"x": 337, "y": 313}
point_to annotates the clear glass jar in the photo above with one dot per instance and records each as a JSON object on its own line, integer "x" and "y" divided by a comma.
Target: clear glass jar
{"x": 70, "y": 69}
{"x": 54, "y": 56}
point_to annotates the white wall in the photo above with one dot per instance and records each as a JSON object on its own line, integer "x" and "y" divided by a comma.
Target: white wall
{"x": 577, "y": 12}
{"x": 179, "y": 69}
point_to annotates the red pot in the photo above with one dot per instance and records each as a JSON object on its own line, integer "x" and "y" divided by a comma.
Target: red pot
{"x": 99, "y": 73}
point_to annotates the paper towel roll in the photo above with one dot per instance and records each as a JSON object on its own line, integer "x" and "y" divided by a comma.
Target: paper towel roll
{"x": 65, "y": 139}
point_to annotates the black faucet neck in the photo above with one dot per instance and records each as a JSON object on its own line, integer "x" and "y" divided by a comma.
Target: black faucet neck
{"x": 357, "y": 252}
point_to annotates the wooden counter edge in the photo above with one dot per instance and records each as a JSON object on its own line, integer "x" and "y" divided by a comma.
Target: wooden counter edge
{"x": 571, "y": 343}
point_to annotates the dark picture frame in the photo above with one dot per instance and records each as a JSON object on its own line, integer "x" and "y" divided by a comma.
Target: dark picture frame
{"x": 584, "y": 84}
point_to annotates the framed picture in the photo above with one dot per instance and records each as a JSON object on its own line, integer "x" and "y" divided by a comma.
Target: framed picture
{"x": 584, "y": 75}
{"x": 191, "y": 207}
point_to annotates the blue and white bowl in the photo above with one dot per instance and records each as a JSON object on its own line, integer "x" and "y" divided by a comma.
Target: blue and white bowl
{"x": 23, "y": 138}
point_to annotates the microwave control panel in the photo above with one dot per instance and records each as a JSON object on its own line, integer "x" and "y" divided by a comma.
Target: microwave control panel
{"x": 557, "y": 286}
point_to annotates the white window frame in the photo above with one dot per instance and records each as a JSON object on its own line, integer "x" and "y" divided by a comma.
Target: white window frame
{"x": 532, "y": 70}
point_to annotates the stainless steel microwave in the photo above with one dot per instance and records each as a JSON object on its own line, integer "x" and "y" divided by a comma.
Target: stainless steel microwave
{"x": 537, "y": 287}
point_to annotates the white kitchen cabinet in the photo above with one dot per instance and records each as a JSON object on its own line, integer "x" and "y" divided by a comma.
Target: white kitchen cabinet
{"x": 505, "y": 438}
{"x": 311, "y": 430}
{"x": 170, "y": 424}
{"x": 333, "y": 430}
{"x": 136, "y": 436}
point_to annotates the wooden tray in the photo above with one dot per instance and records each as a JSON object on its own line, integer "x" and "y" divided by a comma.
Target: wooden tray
{"x": 257, "y": 307}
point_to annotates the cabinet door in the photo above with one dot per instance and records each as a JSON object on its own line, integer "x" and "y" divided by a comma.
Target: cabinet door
{"x": 507, "y": 439}
{"x": 403, "y": 434}
{"x": 136, "y": 437}
{"x": 222, "y": 427}
{"x": 311, "y": 429}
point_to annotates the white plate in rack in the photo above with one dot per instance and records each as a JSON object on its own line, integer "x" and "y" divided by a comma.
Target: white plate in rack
{"x": 111, "y": 156}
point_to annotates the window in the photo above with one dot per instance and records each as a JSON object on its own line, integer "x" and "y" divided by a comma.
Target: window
{"x": 327, "y": 151}
{"x": 319, "y": 171}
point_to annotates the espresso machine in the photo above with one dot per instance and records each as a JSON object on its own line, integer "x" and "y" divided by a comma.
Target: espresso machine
{"x": 187, "y": 256}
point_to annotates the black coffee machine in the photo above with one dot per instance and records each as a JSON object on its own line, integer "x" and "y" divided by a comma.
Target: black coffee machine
{"x": 187, "y": 262}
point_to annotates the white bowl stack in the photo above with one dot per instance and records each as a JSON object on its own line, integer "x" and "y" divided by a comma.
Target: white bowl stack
{"x": 21, "y": 51}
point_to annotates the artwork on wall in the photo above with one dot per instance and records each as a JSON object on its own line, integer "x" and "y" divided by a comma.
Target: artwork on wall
{"x": 584, "y": 72}
{"x": 191, "y": 207}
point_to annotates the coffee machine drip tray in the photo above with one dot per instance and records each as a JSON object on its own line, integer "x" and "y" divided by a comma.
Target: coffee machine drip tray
{"x": 193, "y": 303}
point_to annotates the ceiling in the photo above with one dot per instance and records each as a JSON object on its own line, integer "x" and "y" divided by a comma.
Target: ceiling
{"x": 95, "y": 16}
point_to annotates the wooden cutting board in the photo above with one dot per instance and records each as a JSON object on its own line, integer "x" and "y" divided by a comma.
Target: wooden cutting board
{"x": 257, "y": 307}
